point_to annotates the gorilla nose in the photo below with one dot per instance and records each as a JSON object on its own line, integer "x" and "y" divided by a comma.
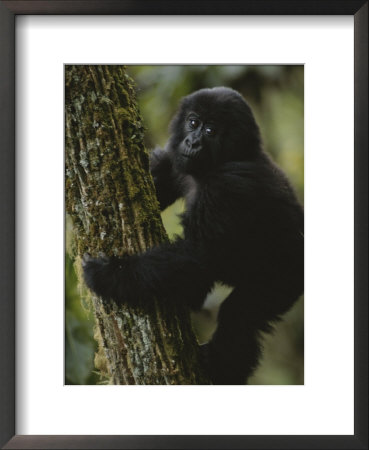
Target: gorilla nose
{"x": 192, "y": 144}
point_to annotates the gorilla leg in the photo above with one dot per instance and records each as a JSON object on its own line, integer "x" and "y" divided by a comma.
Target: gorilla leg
{"x": 233, "y": 352}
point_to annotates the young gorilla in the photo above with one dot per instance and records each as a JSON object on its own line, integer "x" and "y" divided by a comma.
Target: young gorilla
{"x": 243, "y": 226}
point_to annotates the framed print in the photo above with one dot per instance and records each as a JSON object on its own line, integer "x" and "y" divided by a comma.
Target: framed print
{"x": 42, "y": 407}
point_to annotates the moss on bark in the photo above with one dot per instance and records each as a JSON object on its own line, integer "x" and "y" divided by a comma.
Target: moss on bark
{"x": 111, "y": 199}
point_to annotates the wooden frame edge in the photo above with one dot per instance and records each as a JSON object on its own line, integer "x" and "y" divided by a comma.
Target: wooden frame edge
{"x": 8, "y": 11}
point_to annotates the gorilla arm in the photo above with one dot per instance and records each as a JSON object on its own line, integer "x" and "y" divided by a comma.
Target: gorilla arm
{"x": 169, "y": 271}
{"x": 166, "y": 184}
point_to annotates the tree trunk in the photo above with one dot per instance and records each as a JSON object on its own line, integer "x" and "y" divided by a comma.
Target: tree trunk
{"x": 111, "y": 199}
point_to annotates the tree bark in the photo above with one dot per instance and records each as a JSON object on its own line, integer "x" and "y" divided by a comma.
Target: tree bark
{"x": 111, "y": 199}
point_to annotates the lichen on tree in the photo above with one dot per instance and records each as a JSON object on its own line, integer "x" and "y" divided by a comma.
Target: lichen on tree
{"x": 111, "y": 200}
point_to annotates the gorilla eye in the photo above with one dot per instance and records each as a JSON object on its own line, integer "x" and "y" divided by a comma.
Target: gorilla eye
{"x": 209, "y": 131}
{"x": 194, "y": 123}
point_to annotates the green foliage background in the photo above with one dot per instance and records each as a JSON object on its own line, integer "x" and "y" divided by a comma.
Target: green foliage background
{"x": 276, "y": 95}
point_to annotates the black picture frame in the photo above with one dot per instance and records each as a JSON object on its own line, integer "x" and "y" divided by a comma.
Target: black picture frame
{"x": 8, "y": 11}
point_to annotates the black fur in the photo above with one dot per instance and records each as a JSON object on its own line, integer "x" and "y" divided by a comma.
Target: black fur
{"x": 243, "y": 226}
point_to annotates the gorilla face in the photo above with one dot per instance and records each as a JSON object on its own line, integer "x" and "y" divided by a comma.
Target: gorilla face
{"x": 212, "y": 126}
{"x": 200, "y": 145}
